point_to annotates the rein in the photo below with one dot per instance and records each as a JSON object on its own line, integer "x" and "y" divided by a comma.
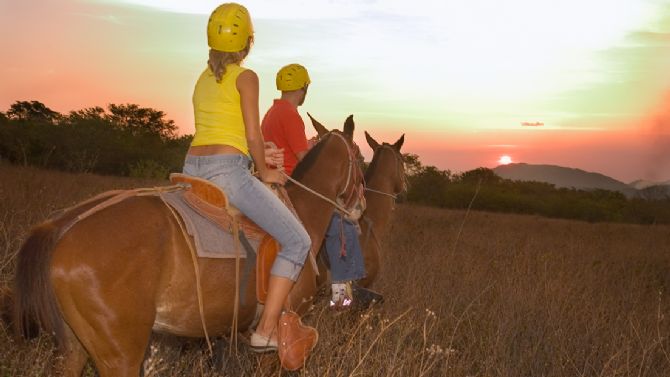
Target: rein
{"x": 338, "y": 206}
{"x": 395, "y": 197}
{"x": 350, "y": 173}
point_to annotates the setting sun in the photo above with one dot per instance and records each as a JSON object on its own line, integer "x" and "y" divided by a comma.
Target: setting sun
{"x": 504, "y": 160}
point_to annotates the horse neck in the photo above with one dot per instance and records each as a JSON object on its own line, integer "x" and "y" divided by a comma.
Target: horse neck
{"x": 378, "y": 209}
{"x": 379, "y": 206}
{"x": 314, "y": 212}
{"x": 326, "y": 176}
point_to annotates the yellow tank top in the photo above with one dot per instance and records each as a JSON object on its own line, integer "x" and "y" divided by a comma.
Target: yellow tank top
{"x": 218, "y": 114}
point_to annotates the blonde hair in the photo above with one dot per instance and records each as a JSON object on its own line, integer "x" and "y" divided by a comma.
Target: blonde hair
{"x": 218, "y": 60}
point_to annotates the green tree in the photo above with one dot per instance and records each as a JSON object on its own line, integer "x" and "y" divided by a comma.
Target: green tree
{"x": 412, "y": 164}
{"x": 33, "y": 111}
{"x": 478, "y": 175}
{"x": 428, "y": 186}
{"x": 141, "y": 120}
{"x": 96, "y": 113}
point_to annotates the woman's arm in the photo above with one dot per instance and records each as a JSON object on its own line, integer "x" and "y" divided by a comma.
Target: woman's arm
{"x": 247, "y": 85}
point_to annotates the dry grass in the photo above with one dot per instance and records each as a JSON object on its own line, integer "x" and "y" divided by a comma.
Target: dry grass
{"x": 512, "y": 296}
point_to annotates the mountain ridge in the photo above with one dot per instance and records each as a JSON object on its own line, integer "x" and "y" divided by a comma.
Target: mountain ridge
{"x": 566, "y": 177}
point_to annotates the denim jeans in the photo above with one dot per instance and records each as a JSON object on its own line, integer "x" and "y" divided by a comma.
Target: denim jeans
{"x": 231, "y": 173}
{"x": 351, "y": 265}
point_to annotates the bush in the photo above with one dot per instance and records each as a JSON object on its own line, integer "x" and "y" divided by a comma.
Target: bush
{"x": 148, "y": 169}
{"x": 489, "y": 192}
{"x": 126, "y": 139}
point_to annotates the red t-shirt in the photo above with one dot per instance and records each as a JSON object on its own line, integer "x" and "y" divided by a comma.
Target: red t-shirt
{"x": 283, "y": 126}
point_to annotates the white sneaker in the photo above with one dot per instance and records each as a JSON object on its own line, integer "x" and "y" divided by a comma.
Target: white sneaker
{"x": 342, "y": 296}
{"x": 260, "y": 344}
{"x": 337, "y": 291}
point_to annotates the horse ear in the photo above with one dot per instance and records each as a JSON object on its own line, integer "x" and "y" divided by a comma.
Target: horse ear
{"x": 348, "y": 129}
{"x": 371, "y": 142}
{"x": 398, "y": 144}
{"x": 320, "y": 129}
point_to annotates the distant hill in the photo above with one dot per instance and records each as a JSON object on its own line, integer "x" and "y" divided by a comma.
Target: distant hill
{"x": 563, "y": 177}
{"x": 643, "y": 184}
{"x": 656, "y": 191}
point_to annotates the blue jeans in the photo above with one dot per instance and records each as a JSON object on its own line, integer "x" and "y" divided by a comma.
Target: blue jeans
{"x": 351, "y": 265}
{"x": 231, "y": 173}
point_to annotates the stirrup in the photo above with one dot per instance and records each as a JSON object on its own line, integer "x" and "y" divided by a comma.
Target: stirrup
{"x": 296, "y": 341}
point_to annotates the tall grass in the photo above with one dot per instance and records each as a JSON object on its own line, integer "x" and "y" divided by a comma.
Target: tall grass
{"x": 477, "y": 295}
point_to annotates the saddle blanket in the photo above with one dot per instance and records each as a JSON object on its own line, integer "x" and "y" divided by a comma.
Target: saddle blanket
{"x": 210, "y": 240}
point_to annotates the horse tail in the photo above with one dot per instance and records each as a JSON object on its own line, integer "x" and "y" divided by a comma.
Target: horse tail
{"x": 35, "y": 305}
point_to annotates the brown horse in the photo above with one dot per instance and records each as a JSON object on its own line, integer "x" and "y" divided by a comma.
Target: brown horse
{"x": 105, "y": 283}
{"x": 384, "y": 180}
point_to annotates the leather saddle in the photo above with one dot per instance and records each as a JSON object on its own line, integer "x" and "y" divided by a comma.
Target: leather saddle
{"x": 211, "y": 202}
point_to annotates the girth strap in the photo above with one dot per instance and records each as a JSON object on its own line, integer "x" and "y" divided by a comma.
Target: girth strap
{"x": 250, "y": 263}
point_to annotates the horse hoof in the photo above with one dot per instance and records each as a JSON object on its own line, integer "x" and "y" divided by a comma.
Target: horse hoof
{"x": 365, "y": 298}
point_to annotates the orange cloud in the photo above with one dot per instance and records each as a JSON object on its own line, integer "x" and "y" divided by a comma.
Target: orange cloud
{"x": 532, "y": 124}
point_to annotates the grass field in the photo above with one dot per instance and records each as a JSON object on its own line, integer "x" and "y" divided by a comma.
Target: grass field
{"x": 467, "y": 294}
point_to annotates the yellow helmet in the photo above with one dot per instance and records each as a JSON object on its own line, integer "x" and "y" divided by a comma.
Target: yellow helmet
{"x": 229, "y": 28}
{"x": 292, "y": 77}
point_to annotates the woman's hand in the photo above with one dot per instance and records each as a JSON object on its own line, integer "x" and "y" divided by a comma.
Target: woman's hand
{"x": 274, "y": 157}
{"x": 273, "y": 176}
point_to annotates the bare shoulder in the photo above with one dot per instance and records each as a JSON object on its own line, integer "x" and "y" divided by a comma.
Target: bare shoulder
{"x": 247, "y": 83}
{"x": 248, "y": 77}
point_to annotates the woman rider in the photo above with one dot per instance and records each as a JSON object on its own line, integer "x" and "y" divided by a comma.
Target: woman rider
{"x": 227, "y": 132}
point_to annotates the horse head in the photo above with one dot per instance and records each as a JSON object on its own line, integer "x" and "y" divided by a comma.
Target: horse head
{"x": 338, "y": 144}
{"x": 386, "y": 173}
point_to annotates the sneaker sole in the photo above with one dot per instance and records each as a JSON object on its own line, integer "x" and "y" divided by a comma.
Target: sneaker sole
{"x": 263, "y": 349}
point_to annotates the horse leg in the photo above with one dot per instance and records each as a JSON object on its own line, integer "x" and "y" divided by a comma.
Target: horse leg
{"x": 72, "y": 355}
{"x": 323, "y": 267}
{"x": 371, "y": 260}
{"x": 113, "y": 326}
{"x": 117, "y": 343}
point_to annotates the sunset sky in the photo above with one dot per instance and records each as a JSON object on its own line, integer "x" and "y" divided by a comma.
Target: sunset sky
{"x": 577, "y": 83}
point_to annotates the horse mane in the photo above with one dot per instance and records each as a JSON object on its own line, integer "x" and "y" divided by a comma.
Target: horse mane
{"x": 310, "y": 158}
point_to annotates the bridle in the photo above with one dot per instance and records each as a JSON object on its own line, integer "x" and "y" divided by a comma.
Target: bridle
{"x": 400, "y": 171}
{"x": 352, "y": 192}
{"x": 354, "y": 176}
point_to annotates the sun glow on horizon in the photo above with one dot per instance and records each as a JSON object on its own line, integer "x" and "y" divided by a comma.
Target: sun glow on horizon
{"x": 505, "y": 160}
